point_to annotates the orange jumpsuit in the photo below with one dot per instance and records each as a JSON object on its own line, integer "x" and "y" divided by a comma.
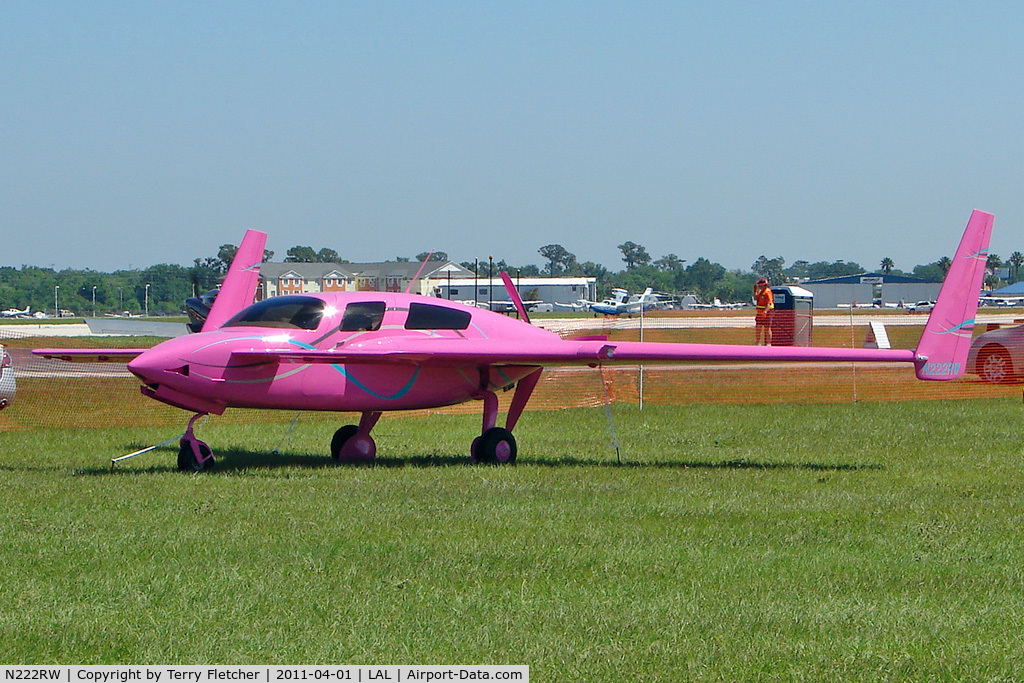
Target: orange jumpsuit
{"x": 764, "y": 302}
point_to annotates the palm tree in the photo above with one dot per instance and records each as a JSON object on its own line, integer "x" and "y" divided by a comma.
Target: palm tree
{"x": 945, "y": 263}
{"x": 886, "y": 265}
{"x": 1016, "y": 260}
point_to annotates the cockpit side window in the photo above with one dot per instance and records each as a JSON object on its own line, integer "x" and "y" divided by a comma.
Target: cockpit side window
{"x": 290, "y": 312}
{"x": 430, "y": 317}
{"x": 363, "y": 315}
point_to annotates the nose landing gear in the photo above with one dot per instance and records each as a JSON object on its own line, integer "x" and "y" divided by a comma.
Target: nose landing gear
{"x": 194, "y": 455}
{"x": 353, "y": 443}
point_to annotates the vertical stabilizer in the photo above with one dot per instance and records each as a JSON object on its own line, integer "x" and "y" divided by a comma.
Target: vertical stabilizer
{"x": 239, "y": 288}
{"x": 942, "y": 351}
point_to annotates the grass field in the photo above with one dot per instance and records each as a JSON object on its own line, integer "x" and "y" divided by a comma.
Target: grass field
{"x": 867, "y": 541}
{"x": 864, "y": 533}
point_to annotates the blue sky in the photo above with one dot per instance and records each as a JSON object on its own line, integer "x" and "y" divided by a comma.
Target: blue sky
{"x": 138, "y": 133}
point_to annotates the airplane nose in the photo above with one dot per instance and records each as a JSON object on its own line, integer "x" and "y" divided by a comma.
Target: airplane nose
{"x": 154, "y": 366}
{"x": 142, "y": 367}
{"x": 166, "y": 377}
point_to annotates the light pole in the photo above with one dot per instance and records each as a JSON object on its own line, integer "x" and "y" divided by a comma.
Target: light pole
{"x": 147, "y": 299}
{"x": 94, "y": 301}
{"x": 490, "y": 283}
{"x": 640, "y": 378}
{"x": 519, "y": 288}
{"x": 56, "y": 310}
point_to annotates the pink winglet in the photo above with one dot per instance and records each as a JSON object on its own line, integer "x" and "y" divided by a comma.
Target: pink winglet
{"x": 239, "y": 288}
{"x": 418, "y": 272}
{"x": 942, "y": 351}
{"x": 513, "y": 294}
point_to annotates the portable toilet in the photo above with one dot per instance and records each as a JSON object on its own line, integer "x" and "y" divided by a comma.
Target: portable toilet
{"x": 792, "y": 321}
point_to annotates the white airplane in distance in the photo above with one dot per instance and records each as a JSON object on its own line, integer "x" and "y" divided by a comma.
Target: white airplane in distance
{"x": 1000, "y": 301}
{"x": 622, "y": 303}
{"x": 496, "y": 305}
{"x": 508, "y": 306}
{"x": 618, "y": 298}
{"x": 619, "y": 303}
{"x": 578, "y": 305}
{"x": 718, "y": 305}
{"x": 15, "y": 313}
{"x": 657, "y": 303}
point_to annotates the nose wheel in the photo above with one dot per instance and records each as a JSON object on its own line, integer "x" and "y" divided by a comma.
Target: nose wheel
{"x": 194, "y": 455}
{"x": 348, "y": 445}
{"x": 353, "y": 443}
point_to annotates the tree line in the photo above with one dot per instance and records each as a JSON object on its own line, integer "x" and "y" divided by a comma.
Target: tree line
{"x": 162, "y": 288}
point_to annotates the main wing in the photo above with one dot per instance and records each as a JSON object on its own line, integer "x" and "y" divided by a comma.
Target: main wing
{"x": 454, "y": 352}
{"x": 90, "y": 355}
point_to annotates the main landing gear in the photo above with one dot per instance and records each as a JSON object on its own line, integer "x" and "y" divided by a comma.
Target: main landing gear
{"x": 194, "y": 455}
{"x": 495, "y": 445}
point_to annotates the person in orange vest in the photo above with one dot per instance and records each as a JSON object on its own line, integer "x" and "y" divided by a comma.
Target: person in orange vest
{"x": 764, "y": 304}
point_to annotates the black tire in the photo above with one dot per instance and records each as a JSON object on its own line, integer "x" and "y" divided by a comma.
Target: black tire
{"x": 187, "y": 459}
{"x": 340, "y": 437}
{"x": 995, "y": 365}
{"x": 497, "y": 446}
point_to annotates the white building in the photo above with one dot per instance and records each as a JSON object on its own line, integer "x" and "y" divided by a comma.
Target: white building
{"x": 562, "y": 290}
{"x": 277, "y": 279}
{"x": 868, "y": 288}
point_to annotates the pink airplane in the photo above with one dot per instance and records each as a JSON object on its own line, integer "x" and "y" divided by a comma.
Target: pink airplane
{"x": 370, "y": 352}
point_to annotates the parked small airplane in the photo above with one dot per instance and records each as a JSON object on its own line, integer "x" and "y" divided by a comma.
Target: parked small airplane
{"x": 578, "y": 305}
{"x": 15, "y": 313}
{"x": 1000, "y": 301}
{"x": 717, "y": 304}
{"x": 371, "y": 352}
{"x": 198, "y": 307}
{"x": 509, "y": 306}
{"x": 622, "y": 303}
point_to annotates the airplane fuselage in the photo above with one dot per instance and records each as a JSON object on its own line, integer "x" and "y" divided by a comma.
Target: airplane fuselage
{"x": 198, "y": 372}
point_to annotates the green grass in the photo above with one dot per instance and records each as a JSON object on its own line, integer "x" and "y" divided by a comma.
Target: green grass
{"x": 789, "y": 542}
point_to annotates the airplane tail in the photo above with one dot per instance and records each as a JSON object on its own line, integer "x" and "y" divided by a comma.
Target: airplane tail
{"x": 942, "y": 351}
{"x": 239, "y": 288}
